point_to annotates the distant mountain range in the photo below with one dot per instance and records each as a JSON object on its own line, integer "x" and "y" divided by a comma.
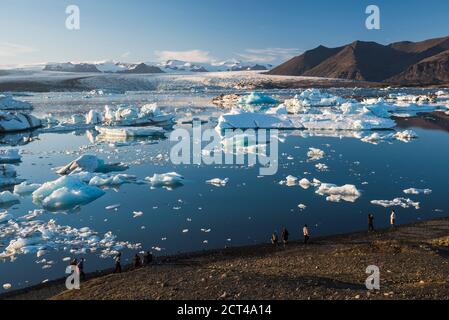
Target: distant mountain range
{"x": 407, "y": 63}
{"x": 170, "y": 66}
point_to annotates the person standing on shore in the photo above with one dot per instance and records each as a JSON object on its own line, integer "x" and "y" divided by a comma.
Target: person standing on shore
{"x": 306, "y": 233}
{"x": 274, "y": 239}
{"x": 118, "y": 266}
{"x": 285, "y": 236}
{"x": 137, "y": 262}
{"x": 371, "y": 222}
{"x": 147, "y": 258}
{"x": 80, "y": 266}
{"x": 393, "y": 219}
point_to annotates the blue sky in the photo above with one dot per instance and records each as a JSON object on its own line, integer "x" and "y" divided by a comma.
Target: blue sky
{"x": 268, "y": 31}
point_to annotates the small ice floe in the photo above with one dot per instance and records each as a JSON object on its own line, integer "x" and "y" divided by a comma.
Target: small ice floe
{"x": 302, "y": 206}
{"x": 217, "y": 182}
{"x": 65, "y": 193}
{"x": 168, "y": 180}
{"x": 315, "y": 154}
{"x": 305, "y": 183}
{"x": 185, "y": 231}
{"x": 418, "y": 191}
{"x": 7, "y": 286}
{"x": 129, "y": 132}
{"x": 6, "y": 197}
{"x": 406, "y": 136}
{"x": 7, "y": 102}
{"x": 321, "y": 167}
{"x": 10, "y": 156}
{"x": 137, "y": 214}
{"x": 206, "y": 230}
{"x": 398, "y": 202}
{"x": 374, "y": 138}
{"x": 112, "y": 180}
{"x": 90, "y": 163}
{"x": 250, "y": 120}
{"x": 113, "y": 207}
{"x": 335, "y": 193}
{"x": 17, "y": 121}
{"x": 255, "y": 98}
{"x": 26, "y": 188}
{"x": 8, "y": 176}
{"x": 5, "y": 217}
{"x": 290, "y": 181}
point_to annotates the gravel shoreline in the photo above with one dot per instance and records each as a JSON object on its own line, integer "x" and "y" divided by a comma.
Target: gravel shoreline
{"x": 413, "y": 261}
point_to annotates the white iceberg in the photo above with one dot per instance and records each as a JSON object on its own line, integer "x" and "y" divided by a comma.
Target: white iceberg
{"x": 7, "y": 197}
{"x": 416, "y": 191}
{"x": 217, "y": 182}
{"x": 290, "y": 181}
{"x": 65, "y": 193}
{"x": 113, "y": 180}
{"x": 5, "y": 217}
{"x": 26, "y": 188}
{"x": 398, "y": 202}
{"x": 315, "y": 154}
{"x": 406, "y": 136}
{"x": 8, "y": 176}
{"x": 335, "y": 193}
{"x": 129, "y": 132}
{"x": 15, "y": 122}
{"x": 252, "y": 120}
{"x": 305, "y": 183}
{"x": 168, "y": 180}
{"x": 255, "y": 98}
{"x": 90, "y": 163}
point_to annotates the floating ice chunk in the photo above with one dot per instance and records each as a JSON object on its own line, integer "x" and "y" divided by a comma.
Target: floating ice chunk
{"x": 10, "y": 156}
{"x": 90, "y": 163}
{"x": 93, "y": 117}
{"x": 26, "y": 188}
{"x": 168, "y": 180}
{"x": 347, "y": 192}
{"x": 9, "y": 103}
{"x": 418, "y": 191}
{"x": 8, "y": 176}
{"x": 137, "y": 214}
{"x": 185, "y": 231}
{"x": 7, "y": 197}
{"x": 302, "y": 206}
{"x": 398, "y": 202}
{"x": 290, "y": 181}
{"x": 305, "y": 183}
{"x": 251, "y": 120}
{"x": 315, "y": 154}
{"x": 7, "y": 286}
{"x": 65, "y": 193}
{"x": 114, "y": 180}
{"x": 257, "y": 99}
{"x": 374, "y": 138}
{"x": 321, "y": 167}
{"x": 129, "y": 132}
{"x": 113, "y": 207}
{"x": 217, "y": 182}
{"x": 11, "y": 122}
{"x": 5, "y": 217}
{"x": 406, "y": 136}
{"x": 280, "y": 110}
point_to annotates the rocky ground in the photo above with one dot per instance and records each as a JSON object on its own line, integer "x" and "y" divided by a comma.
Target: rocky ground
{"x": 413, "y": 261}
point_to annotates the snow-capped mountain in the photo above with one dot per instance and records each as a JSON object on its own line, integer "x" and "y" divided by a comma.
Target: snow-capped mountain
{"x": 103, "y": 67}
{"x": 228, "y": 65}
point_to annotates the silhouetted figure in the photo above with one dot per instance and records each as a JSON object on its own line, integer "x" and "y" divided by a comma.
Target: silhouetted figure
{"x": 393, "y": 219}
{"x": 371, "y": 222}
{"x": 306, "y": 233}
{"x": 74, "y": 263}
{"x": 137, "y": 262}
{"x": 118, "y": 265}
{"x": 285, "y": 236}
{"x": 80, "y": 266}
{"x": 147, "y": 258}
{"x": 274, "y": 239}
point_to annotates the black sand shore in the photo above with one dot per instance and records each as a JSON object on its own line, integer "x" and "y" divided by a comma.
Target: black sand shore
{"x": 413, "y": 261}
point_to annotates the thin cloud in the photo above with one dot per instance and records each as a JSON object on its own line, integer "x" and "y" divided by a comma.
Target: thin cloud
{"x": 12, "y": 50}
{"x": 198, "y": 56}
{"x": 268, "y": 55}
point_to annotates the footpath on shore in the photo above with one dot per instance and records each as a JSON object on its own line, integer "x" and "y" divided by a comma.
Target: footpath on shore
{"x": 413, "y": 262}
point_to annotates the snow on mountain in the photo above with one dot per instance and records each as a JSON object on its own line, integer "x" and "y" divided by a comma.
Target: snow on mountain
{"x": 228, "y": 65}
{"x": 103, "y": 67}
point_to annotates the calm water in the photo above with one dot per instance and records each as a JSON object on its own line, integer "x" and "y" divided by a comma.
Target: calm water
{"x": 247, "y": 210}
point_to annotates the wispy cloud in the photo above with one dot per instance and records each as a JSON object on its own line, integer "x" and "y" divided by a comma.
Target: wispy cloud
{"x": 198, "y": 56}
{"x": 12, "y": 50}
{"x": 268, "y": 55}
{"x": 125, "y": 54}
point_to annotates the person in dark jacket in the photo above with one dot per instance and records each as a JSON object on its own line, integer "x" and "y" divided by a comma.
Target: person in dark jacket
{"x": 370, "y": 222}
{"x": 147, "y": 258}
{"x": 80, "y": 266}
{"x": 137, "y": 262}
{"x": 306, "y": 233}
{"x": 118, "y": 265}
{"x": 274, "y": 239}
{"x": 285, "y": 235}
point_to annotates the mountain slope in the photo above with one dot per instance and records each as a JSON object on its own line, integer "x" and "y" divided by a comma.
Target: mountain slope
{"x": 400, "y": 62}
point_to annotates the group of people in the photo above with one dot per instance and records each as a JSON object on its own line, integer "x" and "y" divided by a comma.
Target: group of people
{"x": 138, "y": 262}
{"x": 371, "y": 221}
{"x": 285, "y": 236}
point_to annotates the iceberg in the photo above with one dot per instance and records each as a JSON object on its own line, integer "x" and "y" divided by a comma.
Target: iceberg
{"x": 90, "y": 163}
{"x": 398, "y": 202}
{"x": 10, "y": 156}
{"x": 416, "y": 191}
{"x": 25, "y": 188}
{"x": 8, "y": 176}
{"x": 251, "y": 120}
{"x": 114, "y": 180}
{"x": 5, "y": 217}
{"x": 315, "y": 154}
{"x": 255, "y": 98}
{"x": 9, "y": 103}
{"x": 168, "y": 180}
{"x": 347, "y": 192}
{"x": 217, "y": 182}
{"x": 17, "y": 121}
{"x": 65, "y": 193}
{"x": 129, "y": 132}
{"x": 406, "y": 136}
{"x": 7, "y": 197}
